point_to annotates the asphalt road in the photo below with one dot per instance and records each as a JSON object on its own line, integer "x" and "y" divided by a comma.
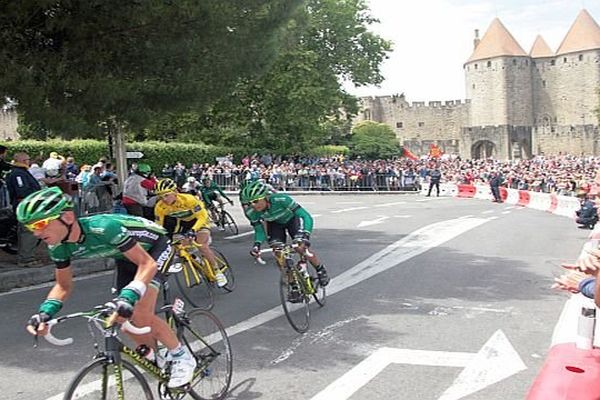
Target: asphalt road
{"x": 425, "y": 293}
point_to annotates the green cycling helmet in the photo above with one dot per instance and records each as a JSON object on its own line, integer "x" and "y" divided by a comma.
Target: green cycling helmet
{"x": 45, "y": 203}
{"x": 144, "y": 169}
{"x": 254, "y": 191}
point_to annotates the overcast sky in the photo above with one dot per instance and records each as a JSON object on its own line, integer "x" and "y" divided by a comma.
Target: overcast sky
{"x": 433, "y": 38}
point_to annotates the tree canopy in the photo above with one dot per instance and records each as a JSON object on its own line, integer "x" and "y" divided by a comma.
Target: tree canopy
{"x": 375, "y": 140}
{"x": 299, "y": 101}
{"x": 70, "y": 64}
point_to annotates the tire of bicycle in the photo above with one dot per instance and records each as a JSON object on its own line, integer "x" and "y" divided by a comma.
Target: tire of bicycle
{"x": 200, "y": 295}
{"x": 320, "y": 294}
{"x": 299, "y": 319}
{"x": 225, "y": 267}
{"x": 215, "y": 383}
{"x": 228, "y": 223}
{"x": 103, "y": 363}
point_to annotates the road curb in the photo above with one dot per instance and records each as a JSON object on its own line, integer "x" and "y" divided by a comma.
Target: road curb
{"x": 23, "y": 277}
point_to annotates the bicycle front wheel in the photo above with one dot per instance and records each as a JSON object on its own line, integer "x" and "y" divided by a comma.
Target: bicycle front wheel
{"x": 320, "y": 294}
{"x": 228, "y": 223}
{"x": 226, "y": 269}
{"x": 96, "y": 381}
{"x": 205, "y": 335}
{"x": 297, "y": 313}
{"x": 194, "y": 286}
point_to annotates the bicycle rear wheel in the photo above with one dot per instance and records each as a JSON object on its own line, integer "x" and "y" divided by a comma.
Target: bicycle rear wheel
{"x": 297, "y": 314}
{"x": 228, "y": 223}
{"x": 226, "y": 269}
{"x": 205, "y": 335}
{"x": 96, "y": 381}
{"x": 194, "y": 286}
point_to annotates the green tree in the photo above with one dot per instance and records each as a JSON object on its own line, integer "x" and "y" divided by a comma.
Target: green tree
{"x": 299, "y": 101}
{"x": 374, "y": 140}
{"x": 71, "y": 64}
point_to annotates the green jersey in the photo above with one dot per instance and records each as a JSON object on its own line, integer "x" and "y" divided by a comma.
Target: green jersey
{"x": 281, "y": 209}
{"x": 107, "y": 235}
{"x": 208, "y": 193}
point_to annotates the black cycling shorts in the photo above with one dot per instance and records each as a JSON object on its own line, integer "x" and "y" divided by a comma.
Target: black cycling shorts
{"x": 276, "y": 232}
{"x": 161, "y": 252}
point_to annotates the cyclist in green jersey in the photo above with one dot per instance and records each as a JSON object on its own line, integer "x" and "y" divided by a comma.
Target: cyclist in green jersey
{"x": 281, "y": 213}
{"x": 140, "y": 248}
{"x": 212, "y": 192}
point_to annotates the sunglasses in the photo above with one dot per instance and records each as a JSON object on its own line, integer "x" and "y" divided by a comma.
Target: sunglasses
{"x": 256, "y": 201}
{"x": 40, "y": 224}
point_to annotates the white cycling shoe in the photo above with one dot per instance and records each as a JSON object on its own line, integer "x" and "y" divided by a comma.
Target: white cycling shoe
{"x": 221, "y": 279}
{"x": 182, "y": 370}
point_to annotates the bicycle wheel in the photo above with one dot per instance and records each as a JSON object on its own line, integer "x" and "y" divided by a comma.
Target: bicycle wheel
{"x": 194, "y": 286}
{"x": 226, "y": 269}
{"x": 297, "y": 314}
{"x": 205, "y": 335}
{"x": 320, "y": 294}
{"x": 96, "y": 381}
{"x": 228, "y": 223}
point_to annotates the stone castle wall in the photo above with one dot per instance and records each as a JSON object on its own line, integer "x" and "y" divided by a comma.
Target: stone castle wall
{"x": 416, "y": 124}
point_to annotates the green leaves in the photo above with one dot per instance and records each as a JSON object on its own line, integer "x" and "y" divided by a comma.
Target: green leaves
{"x": 374, "y": 140}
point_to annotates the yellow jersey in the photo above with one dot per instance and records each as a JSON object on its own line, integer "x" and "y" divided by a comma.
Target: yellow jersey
{"x": 185, "y": 208}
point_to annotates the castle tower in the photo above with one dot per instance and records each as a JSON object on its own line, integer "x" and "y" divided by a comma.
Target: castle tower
{"x": 565, "y": 91}
{"x": 498, "y": 83}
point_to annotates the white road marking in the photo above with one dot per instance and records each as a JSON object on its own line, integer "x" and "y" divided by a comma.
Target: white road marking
{"x": 349, "y": 202}
{"x": 414, "y": 244}
{"x": 506, "y": 212}
{"x": 49, "y": 284}
{"x": 348, "y": 209}
{"x": 509, "y": 207}
{"x": 496, "y": 361}
{"x": 487, "y": 211}
{"x": 390, "y": 204}
{"x": 402, "y": 216}
{"x": 493, "y": 218}
{"x": 239, "y": 235}
{"x": 372, "y": 222}
{"x": 316, "y": 215}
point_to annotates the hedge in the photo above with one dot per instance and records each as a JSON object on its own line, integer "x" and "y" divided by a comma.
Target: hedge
{"x": 157, "y": 154}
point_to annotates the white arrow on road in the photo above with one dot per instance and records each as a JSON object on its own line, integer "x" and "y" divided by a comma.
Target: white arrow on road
{"x": 372, "y": 222}
{"x": 496, "y": 361}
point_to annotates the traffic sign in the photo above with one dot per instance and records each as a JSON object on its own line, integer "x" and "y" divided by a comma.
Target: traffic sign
{"x": 134, "y": 154}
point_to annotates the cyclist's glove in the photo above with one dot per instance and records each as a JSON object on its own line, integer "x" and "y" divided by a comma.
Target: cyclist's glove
{"x": 37, "y": 319}
{"x": 303, "y": 237}
{"x": 255, "y": 252}
{"x": 121, "y": 306}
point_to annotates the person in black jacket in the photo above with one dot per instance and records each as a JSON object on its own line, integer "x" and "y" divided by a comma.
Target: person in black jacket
{"x": 587, "y": 215}
{"x": 496, "y": 180}
{"x": 434, "y": 180}
{"x": 20, "y": 184}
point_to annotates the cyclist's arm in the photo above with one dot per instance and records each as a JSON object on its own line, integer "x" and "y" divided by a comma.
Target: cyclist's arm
{"x": 199, "y": 213}
{"x": 205, "y": 197}
{"x": 259, "y": 231}
{"x": 159, "y": 214}
{"x": 218, "y": 188}
{"x": 63, "y": 284}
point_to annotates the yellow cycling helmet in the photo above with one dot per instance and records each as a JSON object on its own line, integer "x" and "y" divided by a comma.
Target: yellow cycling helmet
{"x": 165, "y": 186}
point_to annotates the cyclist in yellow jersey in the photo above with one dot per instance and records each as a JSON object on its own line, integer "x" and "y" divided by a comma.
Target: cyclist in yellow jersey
{"x": 185, "y": 213}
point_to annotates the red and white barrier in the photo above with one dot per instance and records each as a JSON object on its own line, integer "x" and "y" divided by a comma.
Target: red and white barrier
{"x": 559, "y": 205}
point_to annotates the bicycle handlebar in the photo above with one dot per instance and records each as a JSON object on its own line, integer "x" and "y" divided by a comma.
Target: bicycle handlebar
{"x": 126, "y": 326}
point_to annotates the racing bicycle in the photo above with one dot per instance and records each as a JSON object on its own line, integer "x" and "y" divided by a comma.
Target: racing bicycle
{"x": 115, "y": 371}
{"x": 222, "y": 218}
{"x": 296, "y": 276}
{"x": 195, "y": 277}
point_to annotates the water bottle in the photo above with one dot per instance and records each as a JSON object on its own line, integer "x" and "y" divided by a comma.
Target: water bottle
{"x": 585, "y": 328}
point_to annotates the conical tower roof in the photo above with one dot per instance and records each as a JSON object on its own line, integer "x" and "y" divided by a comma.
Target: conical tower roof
{"x": 583, "y": 35}
{"x": 540, "y": 48}
{"x": 496, "y": 42}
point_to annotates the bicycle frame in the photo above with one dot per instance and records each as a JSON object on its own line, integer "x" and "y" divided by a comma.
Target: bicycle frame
{"x": 285, "y": 261}
{"x": 184, "y": 249}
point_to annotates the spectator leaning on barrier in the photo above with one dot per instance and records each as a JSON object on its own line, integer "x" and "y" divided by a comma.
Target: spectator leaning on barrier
{"x": 20, "y": 184}
{"x": 137, "y": 189}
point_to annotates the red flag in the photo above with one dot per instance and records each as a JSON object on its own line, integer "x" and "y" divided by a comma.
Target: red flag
{"x": 408, "y": 154}
{"x": 435, "y": 151}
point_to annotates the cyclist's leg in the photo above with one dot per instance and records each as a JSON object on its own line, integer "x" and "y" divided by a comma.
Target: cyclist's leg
{"x": 294, "y": 227}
